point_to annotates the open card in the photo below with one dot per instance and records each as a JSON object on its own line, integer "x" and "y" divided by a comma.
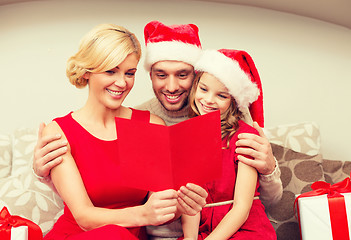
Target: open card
{"x": 155, "y": 157}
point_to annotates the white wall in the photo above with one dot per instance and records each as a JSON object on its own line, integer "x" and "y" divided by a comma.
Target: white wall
{"x": 304, "y": 63}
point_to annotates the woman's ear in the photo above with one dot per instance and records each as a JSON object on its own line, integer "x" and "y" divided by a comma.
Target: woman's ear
{"x": 86, "y": 75}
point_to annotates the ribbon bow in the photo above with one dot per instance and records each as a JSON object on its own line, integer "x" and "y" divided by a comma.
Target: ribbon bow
{"x": 7, "y": 221}
{"x": 320, "y": 188}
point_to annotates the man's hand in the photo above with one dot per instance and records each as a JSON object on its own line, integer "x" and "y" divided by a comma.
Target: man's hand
{"x": 258, "y": 148}
{"x": 47, "y": 153}
{"x": 191, "y": 200}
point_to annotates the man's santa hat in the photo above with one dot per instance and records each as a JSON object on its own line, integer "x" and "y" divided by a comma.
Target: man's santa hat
{"x": 174, "y": 42}
{"x": 237, "y": 71}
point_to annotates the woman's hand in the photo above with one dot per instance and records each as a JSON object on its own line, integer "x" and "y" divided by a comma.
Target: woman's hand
{"x": 192, "y": 198}
{"x": 161, "y": 207}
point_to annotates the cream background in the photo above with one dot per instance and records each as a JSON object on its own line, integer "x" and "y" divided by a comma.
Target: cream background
{"x": 304, "y": 63}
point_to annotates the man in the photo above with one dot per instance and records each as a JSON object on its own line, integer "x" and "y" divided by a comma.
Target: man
{"x": 171, "y": 52}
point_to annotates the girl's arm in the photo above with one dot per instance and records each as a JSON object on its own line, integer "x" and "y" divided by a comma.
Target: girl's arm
{"x": 160, "y": 207}
{"x": 243, "y": 196}
{"x": 190, "y": 225}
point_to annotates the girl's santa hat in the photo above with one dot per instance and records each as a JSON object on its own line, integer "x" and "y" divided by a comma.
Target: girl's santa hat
{"x": 174, "y": 43}
{"x": 237, "y": 71}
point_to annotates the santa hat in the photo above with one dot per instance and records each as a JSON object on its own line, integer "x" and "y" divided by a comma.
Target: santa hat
{"x": 174, "y": 42}
{"x": 237, "y": 71}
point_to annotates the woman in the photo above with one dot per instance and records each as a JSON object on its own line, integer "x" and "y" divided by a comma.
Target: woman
{"x": 96, "y": 206}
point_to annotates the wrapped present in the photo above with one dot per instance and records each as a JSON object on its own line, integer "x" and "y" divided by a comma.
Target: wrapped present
{"x": 16, "y": 227}
{"x": 325, "y": 212}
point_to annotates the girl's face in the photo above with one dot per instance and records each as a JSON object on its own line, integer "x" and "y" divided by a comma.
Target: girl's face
{"x": 111, "y": 87}
{"x": 211, "y": 95}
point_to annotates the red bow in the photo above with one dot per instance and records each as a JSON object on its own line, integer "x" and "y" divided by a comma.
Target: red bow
{"x": 7, "y": 221}
{"x": 336, "y": 204}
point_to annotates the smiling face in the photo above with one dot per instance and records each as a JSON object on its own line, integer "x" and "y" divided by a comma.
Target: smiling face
{"x": 211, "y": 95}
{"x": 111, "y": 87}
{"x": 171, "y": 81}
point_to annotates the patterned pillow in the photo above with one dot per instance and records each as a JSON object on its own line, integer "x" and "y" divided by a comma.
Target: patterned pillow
{"x": 301, "y": 137}
{"x": 22, "y": 192}
{"x": 5, "y": 155}
{"x": 298, "y": 172}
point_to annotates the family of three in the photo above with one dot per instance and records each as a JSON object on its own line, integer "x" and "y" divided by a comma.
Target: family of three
{"x": 76, "y": 153}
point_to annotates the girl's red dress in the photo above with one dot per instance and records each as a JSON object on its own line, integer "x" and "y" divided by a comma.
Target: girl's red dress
{"x": 97, "y": 162}
{"x": 257, "y": 225}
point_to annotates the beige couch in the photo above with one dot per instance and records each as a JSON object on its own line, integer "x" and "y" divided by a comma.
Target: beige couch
{"x": 296, "y": 147}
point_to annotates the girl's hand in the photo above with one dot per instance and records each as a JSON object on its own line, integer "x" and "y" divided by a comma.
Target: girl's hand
{"x": 161, "y": 207}
{"x": 192, "y": 198}
{"x": 47, "y": 153}
{"x": 258, "y": 148}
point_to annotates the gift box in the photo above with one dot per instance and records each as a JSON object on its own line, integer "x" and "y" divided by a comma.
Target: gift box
{"x": 325, "y": 212}
{"x": 18, "y": 228}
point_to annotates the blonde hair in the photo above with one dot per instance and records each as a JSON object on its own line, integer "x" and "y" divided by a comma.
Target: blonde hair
{"x": 101, "y": 49}
{"x": 229, "y": 119}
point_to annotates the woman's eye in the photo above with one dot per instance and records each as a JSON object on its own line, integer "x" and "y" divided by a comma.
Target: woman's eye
{"x": 110, "y": 72}
{"x": 130, "y": 74}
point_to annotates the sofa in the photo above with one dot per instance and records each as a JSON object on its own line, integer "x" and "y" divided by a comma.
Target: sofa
{"x": 295, "y": 146}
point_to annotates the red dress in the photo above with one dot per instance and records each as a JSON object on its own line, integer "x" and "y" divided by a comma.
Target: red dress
{"x": 97, "y": 164}
{"x": 257, "y": 225}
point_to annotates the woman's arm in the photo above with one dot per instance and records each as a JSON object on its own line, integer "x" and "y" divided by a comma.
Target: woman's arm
{"x": 160, "y": 208}
{"x": 190, "y": 225}
{"x": 245, "y": 186}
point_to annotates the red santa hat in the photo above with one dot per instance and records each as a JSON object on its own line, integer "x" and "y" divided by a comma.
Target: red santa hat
{"x": 237, "y": 71}
{"x": 174, "y": 42}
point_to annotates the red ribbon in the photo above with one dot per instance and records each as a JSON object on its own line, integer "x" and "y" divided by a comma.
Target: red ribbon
{"x": 336, "y": 202}
{"x": 7, "y": 221}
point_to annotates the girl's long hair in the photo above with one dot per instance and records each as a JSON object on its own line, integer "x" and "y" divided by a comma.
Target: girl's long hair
{"x": 229, "y": 119}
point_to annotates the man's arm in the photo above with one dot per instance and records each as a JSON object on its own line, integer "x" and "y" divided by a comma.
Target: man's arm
{"x": 259, "y": 149}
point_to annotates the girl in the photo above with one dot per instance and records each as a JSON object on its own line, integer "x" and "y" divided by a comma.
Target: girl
{"x": 96, "y": 205}
{"x": 222, "y": 85}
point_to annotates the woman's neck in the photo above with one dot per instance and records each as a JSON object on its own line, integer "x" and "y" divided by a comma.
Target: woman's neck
{"x": 100, "y": 122}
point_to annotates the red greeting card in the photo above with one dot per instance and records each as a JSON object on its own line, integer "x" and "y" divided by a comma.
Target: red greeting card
{"x": 155, "y": 157}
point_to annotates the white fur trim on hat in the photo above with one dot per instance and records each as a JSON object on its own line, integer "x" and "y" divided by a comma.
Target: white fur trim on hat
{"x": 231, "y": 75}
{"x": 172, "y": 51}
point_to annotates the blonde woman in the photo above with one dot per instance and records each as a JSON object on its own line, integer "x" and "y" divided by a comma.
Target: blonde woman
{"x": 96, "y": 205}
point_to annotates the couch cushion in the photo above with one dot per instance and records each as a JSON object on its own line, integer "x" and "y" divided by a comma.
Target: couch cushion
{"x": 5, "y": 155}
{"x": 336, "y": 171}
{"x": 22, "y": 192}
{"x": 298, "y": 172}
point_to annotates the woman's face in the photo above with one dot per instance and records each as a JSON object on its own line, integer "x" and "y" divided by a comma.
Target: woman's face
{"x": 211, "y": 95}
{"x": 111, "y": 87}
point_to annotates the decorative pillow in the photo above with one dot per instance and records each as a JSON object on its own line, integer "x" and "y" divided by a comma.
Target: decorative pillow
{"x": 5, "y": 155}
{"x": 298, "y": 172}
{"x": 301, "y": 137}
{"x": 336, "y": 171}
{"x": 24, "y": 141}
{"x": 28, "y": 197}
{"x": 22, "y": 192}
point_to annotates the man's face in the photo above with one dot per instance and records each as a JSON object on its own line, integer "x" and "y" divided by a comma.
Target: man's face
{"x": 171, "y": 81}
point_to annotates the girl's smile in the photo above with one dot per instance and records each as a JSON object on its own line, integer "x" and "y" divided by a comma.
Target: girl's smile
{"x": 211, "y": 95}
